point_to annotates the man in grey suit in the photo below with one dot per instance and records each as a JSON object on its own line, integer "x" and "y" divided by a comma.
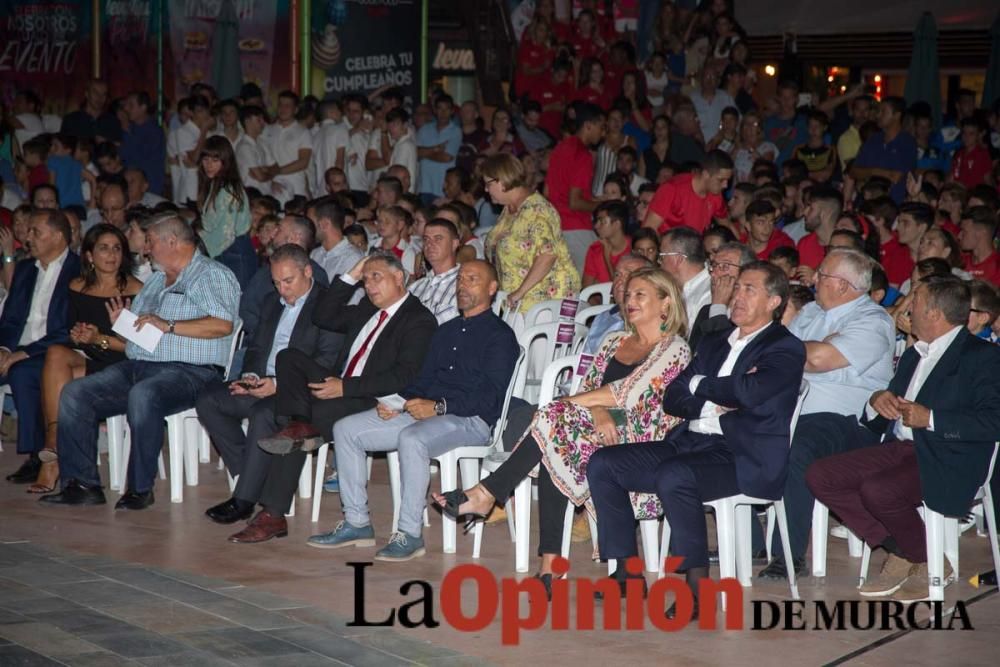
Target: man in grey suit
{"x": 286, "y": 321}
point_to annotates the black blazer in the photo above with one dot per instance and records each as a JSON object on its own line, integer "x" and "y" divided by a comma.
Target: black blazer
{"x": 398, "y": 353}
{"x": 963, "y": 391}
{"x": 704, "y": 324}
{"x": 322, "y": 345}
{"x": 18, "y": 305}
{"x": 757, "y": 431}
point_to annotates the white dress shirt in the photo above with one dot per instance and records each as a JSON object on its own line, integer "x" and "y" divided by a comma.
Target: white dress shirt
{"x": 930, "y": 355}
{"x": 708, "y": 422}
{"x": 185, "y": 140}
{"x": 332, "y": 137}
{"x": 367, "y": 329}
{"x": 404, "y": 153}
{"x": 41, "y": 298}
{"x": 339, "y": 259}
{"x": 697, "y": 294}
{"x": 252, "y": 153}
{"x": 354, "y": 161}
{"x": 283, "y": 144}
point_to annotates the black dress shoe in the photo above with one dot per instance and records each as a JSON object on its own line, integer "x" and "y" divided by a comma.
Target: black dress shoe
{"x": 777, "y": 571}
{"x": 671, "y": 613}
{"x": 758, "y": 558}
{"x": 27, "y": 473}
{"x": 622, "y": 585}
{"x": 135, "y": 501}
{"x": 231, "y": 511}
{"x": 75, "y": 493}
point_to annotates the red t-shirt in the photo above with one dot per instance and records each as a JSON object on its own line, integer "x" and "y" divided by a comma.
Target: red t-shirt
{"x": 584, "y": 47}
{"x": 970, "y": 168}
{"x": 545, "y": 92}
{"x": 39, "y": 175}
{"x": 677, "y": 203}
{"x": 534, "y": 56}
{"x": 951, "y": 228}
{"x": 988, "y": 269}
{"x": 811, "y": 251}
{"x": 599, "y": 97}
{"x": 779, "y": 239}
{"x": 594, "y": 264}
{"x": 896, "y": 261}
{"x": 570, "y": 166}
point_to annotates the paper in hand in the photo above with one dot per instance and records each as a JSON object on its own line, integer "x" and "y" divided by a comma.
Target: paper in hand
{"x": 393, "y": 402}
{"x": 147, "y": 338}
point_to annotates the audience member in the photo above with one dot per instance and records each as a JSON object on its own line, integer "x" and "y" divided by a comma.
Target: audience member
{"x": 692, "y": 200}
{"x": 683, "y": 257}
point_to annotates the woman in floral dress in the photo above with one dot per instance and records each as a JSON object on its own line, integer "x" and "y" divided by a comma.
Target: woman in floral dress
{"x": 621, "y": 401}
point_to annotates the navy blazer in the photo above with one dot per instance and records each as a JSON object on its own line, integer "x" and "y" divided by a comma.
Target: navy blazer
{"x": 963, "y": 391}
{"x": 757, "y": 431}
{"x": 321, "y": 345}
{"x": 18, "y": 305}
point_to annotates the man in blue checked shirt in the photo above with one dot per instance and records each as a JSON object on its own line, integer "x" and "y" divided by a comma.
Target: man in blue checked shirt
{"x": 194, "y": 301}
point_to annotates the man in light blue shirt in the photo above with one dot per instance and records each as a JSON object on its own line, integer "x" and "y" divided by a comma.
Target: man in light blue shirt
{"x": 849, "y": 346}
{"x": 437, "y": 146}
{"x": 194, "y": 302}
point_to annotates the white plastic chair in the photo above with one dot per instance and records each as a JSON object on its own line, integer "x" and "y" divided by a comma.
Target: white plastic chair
{"x": 942, "y": 533}
{"x": 820, "y": 537}
{"x": 546, "y": 311}
{"x": 604, "y": 289}
{"x": 586, "y": 315}
{"x": 544, "y": 339}
{"x": 733, "y": 515}
{"x": 4, "y": 390}
{"x": 466, "y": 458}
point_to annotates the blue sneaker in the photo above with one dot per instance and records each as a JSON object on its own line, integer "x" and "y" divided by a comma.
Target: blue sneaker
{"x": 332, "y": 483}
{"x": 401, "y": 547}
{"x": 344, "y": 535}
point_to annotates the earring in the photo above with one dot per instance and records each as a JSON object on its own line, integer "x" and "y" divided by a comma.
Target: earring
{"x": 663, "y": 323}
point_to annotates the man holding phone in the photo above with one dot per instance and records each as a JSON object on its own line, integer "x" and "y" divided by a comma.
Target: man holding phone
{"x": 286, "y": 321}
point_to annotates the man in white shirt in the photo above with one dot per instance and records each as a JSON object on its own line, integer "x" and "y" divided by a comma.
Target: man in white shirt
{"x": 330, "y": 144}
{"x": 252, "y": 157}
{"x": 334, "y": 253}
{"x": 35, "y": 317}
{"x": 376, "y": 159}
{"x": 849, "y": 341}
{"x": 359, "y": 122}
{"x": 682, "y": 255}
{"x": 228, "y": 122}
{"x": 709, "y": 101}
{"x": 187, "y": 145}
{"x": 290, "y": 146}
{"x": 401, "y": 146}
{"x": 941, "y": 418}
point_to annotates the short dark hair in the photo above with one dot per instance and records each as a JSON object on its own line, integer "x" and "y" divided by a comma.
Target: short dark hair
{"x": 251, "y": 111}
{"x": 56, "y": 221}
{"x": 898, "y": 104}
{"x": 857, "y": 242}
{"x": 289, "y": 94}
{"x": 445, "y": 223}
{"x": 760, "y": 207}
{"x": 951, "y": 296}
{"x": 587, "y": 113}
{"x": 800, "y": 295}
{"x": 356, "y": 230}
{"x": 686, "y": 240}
{"x": 291, "y": 252}
{"x": 982, "y": 216}
{"x": 775, "y": 282}
{"x": 830, "y": 196}
{"x": 305, "y": 227}
{"x": 985, "y": 298}
{"x": 921, "y": 213}
{"x": 932, "y": 266}
{"x": 786, "y": 253}
{"x": 616, "y": 210}
{"x": 881, "y": 207}
{"x": 328, "y": 208}
{"x": 397, "y": 114}
{"x": 716, "y": 161}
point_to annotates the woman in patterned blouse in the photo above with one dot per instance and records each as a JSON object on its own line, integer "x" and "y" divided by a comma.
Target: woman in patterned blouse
{"x": 526, "y": 245}
{"x": 621, "y": 401}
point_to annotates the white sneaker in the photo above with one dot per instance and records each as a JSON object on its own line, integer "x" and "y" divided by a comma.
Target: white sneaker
{"x": 839, "y": 531}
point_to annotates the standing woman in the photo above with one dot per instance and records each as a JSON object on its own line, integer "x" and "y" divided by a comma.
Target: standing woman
{"x": 658, "y": 152}
{"x": 225, "y": 210}
{"x": 526, "y": 246}
{"x": 106, "y": 281}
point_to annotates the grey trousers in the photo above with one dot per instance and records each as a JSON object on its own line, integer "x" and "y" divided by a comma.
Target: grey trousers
{"x": 579, "y": 242}
{"x": 416, "y": 441}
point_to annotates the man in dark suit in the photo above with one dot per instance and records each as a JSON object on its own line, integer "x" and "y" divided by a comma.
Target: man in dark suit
{"x": 386, "y": 337}
{"x": 35, "y": 316}
{"x": 737, "y": 395}
{"x": 286, "y": 322}
{"x": 941, "y": 419}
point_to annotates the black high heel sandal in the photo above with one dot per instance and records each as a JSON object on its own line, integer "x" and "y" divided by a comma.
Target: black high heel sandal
{"x": 452, "y": 501}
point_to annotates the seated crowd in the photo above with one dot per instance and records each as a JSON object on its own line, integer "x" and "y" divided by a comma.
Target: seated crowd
{"x": 358, "y": 250}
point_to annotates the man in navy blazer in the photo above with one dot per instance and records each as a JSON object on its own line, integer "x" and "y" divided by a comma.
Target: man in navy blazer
{"x": 737, "y": 397}
{"x": 941, "y": 419}
{"x": 35, "y": 316}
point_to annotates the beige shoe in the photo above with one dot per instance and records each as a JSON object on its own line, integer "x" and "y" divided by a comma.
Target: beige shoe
{"x": 581, "y": 528}
{"x": 916, "y": 587}
{"x": 497, "y": 515}
{"x": 894, "y": 573}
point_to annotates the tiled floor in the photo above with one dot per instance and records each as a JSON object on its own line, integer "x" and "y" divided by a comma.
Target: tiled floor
{"x": 89, "y": 586}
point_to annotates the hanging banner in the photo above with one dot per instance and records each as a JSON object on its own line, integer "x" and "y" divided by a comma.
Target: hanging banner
{"x": 192, "y": 23}
{"x": 129, "y": 48}
{"x": 363, "y": 46}
{"x": 45, "y": 48}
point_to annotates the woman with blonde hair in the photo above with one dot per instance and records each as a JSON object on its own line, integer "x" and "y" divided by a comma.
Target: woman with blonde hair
{"x": 621, "y": 401}
{"x": 526, "y": 246}
{"x": 751, "y": 146}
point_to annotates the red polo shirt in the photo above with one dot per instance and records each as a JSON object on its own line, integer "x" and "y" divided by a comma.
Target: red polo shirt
{"x": 811, "y": 251}
{"x": 970, "y": 168}
{"x": 988, "y": 269}
{"x": 531, "y": 55}
{"x": 779, "y": 239}
{"x": 896, "y": 261}
{"x": 570, "y": 166}
{"x": 678, "y": 204}
{"x": 594, "y": 264}
{"x": 546, "y": 92}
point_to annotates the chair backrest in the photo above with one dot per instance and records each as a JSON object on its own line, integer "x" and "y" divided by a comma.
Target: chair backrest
{"x": 993, "y": 464}
{"x": 803, "y": 392}
{"x": 552, "y": 374}
{"x": 553, "y": 348}
{"x": 585, "y": 315}
{"x": 500, "y": 303}
{"x": 604, "y": 289}
{"x": 546, "y": 311}
{"x": 234, "y": 345}
{"x": 498, "y": 428}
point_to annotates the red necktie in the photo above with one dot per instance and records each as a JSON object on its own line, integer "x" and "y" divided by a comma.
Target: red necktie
{"x": 364, "y": 346}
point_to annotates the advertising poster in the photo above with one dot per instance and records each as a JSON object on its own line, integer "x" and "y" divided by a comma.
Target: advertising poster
{"x": 129, "y": 47}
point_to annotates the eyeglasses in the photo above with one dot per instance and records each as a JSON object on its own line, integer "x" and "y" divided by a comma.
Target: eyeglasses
{"x": 672, "y": 254}
{"x": 487, "y": 181}
{"x": 822, "y": 274}
{"x": 714, "y": 266}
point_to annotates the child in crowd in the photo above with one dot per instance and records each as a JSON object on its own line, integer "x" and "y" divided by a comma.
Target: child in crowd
{"x": 819, "y": 157}
{"x": 786, "y": 259}
{"x": 66, "y": 172}
{"x": 357, "y": 236}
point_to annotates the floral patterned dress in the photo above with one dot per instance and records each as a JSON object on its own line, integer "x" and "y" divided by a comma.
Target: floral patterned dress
{"x": 518, "y": 238}
{"x": 565, "y": 431}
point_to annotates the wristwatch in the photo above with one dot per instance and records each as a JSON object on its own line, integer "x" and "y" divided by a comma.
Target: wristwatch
{"x": 440, "y": 407}
{"x": 104, "y": 343}
{"x": 170, "y": 326}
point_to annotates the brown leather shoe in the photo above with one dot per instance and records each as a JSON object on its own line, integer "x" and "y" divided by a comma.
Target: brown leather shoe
{"x": 261, "y": 528}
{"x": 296, "y": 435}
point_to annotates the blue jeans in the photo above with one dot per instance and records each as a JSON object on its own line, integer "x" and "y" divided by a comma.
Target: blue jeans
{"x": 147, "y": 392}
{"x": 241, "y": 259}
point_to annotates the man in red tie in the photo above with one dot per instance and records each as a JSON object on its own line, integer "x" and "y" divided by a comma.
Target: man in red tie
{"x": 386, "y": 337}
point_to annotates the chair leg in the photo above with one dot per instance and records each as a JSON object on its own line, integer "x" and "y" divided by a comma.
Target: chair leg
{"x": 305, "y": 478}
{"x": 935, "y": 532}
{"x": 204, "y": 444}
{"x": 522, "y": 524}
{"x": 650, "y": 545}
{"x": 567, "y": 532}
{"x": 820, "y": 536}
{"x": 866, "y": 557}
{"x": 116, "y": 445}
{"x": 176, "y": 453}
{"x": 664, "y": 548}
{"x": 786, "y": 547}
{"x": 952, "y": 532}
{"x": 725, "y": 520}
{"x": 392, "y": 459}
{"x": 853, "y": 544}
{"x": 159, "y": 464}
{"x": 743, "y": 515}
{"x": 508, "y": 508}
{"x": 317, "y": 498}
{"x": 477, "y": 530}
{"x": 188, "y": 437}
{"x": 990, "y": 517}
{"x": 449, "y": 482}
{"x": 469, "y": 469}
{"x": 769, "y": 533}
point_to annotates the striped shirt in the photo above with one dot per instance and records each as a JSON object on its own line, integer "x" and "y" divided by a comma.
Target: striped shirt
{"x": 437, "y": 293}
{"x": 205, "y": 288}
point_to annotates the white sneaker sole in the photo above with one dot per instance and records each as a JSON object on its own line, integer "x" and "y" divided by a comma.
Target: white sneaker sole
{"x": 416, "y": 554}
{"x": 883, "y": 593}
{"x": 370, "y": 542}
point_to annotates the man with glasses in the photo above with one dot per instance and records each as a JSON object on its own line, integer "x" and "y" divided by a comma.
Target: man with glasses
{"x": 724, "y": 268}
{"x": 683, "y": 257}
{"x": 112, "y": 205}
{"x": 849, "y": 342}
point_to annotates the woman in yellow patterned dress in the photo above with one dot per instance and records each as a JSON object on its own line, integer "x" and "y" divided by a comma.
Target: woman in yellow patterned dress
{"x": 526, "y": 245}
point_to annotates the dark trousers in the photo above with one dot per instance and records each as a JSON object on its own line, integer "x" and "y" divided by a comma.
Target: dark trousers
{"x": 222, "y": 415}
{"x": 147, "y": 392}
{"x": 25, "y": 380}
{"x": 551, "y": 501}
{"x": 685, "y": 472}
{"x": 294, "y": 370}
{"x": 241, "y": 259}
{"x": 876, "y": 492}
{"x": 817, "y": 436}
{"x": 519, "y": 416}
